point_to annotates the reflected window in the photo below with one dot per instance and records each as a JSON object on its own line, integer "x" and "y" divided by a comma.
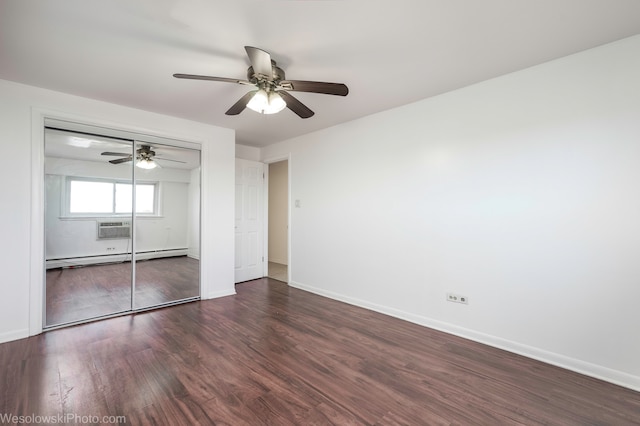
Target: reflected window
{"x": 90, "y": 197}
{"x": 87, "y": 197}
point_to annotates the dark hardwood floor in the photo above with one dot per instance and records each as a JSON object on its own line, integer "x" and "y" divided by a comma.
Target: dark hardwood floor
{"x": 97, "y": 290}
{"x": 278, "y": 355}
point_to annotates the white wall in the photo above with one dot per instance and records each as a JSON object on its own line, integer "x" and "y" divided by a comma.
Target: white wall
{"x": 520, "y": 193}
{"x": 278, "y": 212}
{"x": 22, "y": 112}
{"x": 247, "y": 152}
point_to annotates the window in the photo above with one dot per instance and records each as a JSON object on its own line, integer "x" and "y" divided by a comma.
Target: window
{"x": 105, "y": 197}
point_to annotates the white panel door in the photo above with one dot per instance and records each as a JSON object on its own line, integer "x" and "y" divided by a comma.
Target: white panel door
{"x": 249, "y": 214}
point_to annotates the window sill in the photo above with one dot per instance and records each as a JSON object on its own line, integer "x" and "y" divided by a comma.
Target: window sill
{"x": 108, "y": 217}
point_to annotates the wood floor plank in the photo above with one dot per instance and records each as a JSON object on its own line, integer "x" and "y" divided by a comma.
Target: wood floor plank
{"x": 277, "y": 355}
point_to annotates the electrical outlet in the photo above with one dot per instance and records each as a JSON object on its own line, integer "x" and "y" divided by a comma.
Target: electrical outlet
{"x": 456, "y": 298}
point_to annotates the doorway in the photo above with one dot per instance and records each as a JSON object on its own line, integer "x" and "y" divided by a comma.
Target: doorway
{"x": 122, "y": 225}
{"x": 278, "y": 213}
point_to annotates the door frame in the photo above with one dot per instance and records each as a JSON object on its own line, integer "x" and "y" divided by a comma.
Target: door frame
{"x": 267, "y": 162}
{"x": 37, "y": 236}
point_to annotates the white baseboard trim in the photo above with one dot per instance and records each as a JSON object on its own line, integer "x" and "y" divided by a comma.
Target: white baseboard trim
{"x": 222, "y": 293}
{"x": 588, "y": 369}
{"x": 14, "y": 335}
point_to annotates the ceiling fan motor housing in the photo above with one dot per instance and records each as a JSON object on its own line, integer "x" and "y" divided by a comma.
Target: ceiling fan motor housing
{"x": 276, "y": 76}
{"x": 145, "y": 153}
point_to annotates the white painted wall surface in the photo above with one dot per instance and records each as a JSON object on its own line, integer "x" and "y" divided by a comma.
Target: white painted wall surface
{"x": 20, "y": 107}
{"x": 247, "y": 152}
{"x": 520, "y": 192}
{"x": 278, "y": 212}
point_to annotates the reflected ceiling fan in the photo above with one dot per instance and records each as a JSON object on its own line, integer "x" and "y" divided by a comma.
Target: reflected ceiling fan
{"x": 272, "y": 88}
{"x": 145, "y": 157}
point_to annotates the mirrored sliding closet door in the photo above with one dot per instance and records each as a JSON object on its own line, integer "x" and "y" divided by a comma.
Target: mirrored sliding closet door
{"x": 122, "y": 225}
{"x": 167, "y": 233}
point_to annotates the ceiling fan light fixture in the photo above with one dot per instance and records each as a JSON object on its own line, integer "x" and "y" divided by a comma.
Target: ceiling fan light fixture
{"x": 259, "y": 102}
{"x": 146, "y": 164}
{"x": 266, "y": 103}
{"x": 276, "y": 103}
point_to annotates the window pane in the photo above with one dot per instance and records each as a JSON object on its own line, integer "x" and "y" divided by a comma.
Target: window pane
{"x": 145, "y": 198}
{"x": 90, "y": 197}
{"x": 123, "y": 198}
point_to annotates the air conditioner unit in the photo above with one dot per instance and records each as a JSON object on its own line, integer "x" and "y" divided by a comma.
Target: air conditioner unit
{"x": 120, "y": 229}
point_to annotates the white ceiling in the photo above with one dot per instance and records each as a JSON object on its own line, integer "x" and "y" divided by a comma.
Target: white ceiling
{"x": 389, "y": 53}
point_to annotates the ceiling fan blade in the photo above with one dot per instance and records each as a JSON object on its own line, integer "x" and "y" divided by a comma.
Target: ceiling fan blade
{"x": 260, "y": 61}
{"x": 315, "y": 87}
{"x": 167, "y": 159}
{"x": 210, "y": 78}
{"x": 239, "y": 106}
{"x": 120, "y": 160}
{"x": 295, "y": 105}
{"x": 117, "y": 154}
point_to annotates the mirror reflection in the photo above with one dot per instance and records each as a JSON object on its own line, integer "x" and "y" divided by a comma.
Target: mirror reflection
{"x": 121, "y": 226}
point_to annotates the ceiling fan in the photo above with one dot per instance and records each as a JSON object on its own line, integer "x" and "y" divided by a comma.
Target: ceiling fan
{"x": 272, "y": 93}
{"x": 145, "y": 157}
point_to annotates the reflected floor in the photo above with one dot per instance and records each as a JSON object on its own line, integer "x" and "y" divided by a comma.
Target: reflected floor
{"x": 75, "y": 294}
